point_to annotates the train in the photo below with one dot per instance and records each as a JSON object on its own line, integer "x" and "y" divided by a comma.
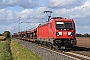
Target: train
{"x": 58, "y": 31}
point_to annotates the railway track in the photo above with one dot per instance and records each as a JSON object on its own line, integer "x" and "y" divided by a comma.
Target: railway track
{"x": 53, "y": 54}
{"x": 72, "y": 54}
{"x": 78, "y": 55}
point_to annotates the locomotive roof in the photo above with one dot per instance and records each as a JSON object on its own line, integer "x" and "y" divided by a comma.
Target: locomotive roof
{"x": 61, "y": 18}
{"x": 56, "y": 18}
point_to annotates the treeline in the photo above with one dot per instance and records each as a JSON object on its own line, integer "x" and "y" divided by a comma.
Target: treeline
{"x": 6, "y": 34}
{"x": 83, "y": 35}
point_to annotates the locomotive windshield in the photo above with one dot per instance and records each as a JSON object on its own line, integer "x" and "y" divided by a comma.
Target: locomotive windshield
{"x": 63, "y": 25}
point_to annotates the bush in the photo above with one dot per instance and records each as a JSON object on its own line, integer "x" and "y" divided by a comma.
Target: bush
{"x": 6, "y": 34}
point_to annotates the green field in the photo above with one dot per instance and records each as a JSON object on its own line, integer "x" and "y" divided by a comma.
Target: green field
{"x": 11, "y": 50}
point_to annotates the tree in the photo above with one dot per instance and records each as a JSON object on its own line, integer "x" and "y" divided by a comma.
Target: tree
{"x": 83, "y": 35}
{"x": 89, "y": 35}
{"x": 0, "y": 34}
{"x": 78, "y": 35}
{"x": 6, "y": 34}
{"x": 86, "y": 35}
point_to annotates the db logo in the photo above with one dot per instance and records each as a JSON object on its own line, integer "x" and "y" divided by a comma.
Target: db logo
{"x": 64, "y": 33}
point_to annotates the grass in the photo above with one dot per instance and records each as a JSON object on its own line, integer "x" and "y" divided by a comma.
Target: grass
{"x": 5, "y": 52}
{"x": 11, "y": 50}
{"x": 20, "y": 52}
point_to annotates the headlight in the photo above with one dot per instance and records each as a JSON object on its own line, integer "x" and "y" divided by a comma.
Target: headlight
{"x": 70, "y": 33}
{"x": 58, "y": 33}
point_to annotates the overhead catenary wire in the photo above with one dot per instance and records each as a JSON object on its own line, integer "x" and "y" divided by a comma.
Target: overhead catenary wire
{"x": 73, "y": 9}
{"x": 25, "y": 19}
{"x": 57, "y": 5}
{"x": 60, "y": 3}
{"x": 69, "y": 12}
{"x": 46, "y": 8}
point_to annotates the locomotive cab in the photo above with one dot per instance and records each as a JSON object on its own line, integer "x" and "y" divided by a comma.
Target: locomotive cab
{"x": 64, "y": 32}
{"x": 57, "y": 32}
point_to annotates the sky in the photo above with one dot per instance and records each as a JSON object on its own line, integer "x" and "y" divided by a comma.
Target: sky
{"x": 32, "y": 13}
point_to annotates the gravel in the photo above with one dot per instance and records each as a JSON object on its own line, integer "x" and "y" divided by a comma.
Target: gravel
{"x": 45, "y": 53}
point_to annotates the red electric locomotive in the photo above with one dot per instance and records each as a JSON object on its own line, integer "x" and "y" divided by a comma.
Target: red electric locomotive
{"x": 58, "y": 32}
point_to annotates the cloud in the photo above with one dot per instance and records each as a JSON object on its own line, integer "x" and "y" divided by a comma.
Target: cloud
{"x": 22, "y": 3}
{"x": 69, "y": 9}
{"x": 10, "y": 17}
{"x": 83, "y": 29}
{"x": 7, "y": 17}
{"x": 64, "y": 3}
{"x": 5, "y": 28}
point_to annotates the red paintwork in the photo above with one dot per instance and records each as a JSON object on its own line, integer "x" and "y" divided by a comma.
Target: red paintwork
{"x": 48, "y": 31}
{"x": 44, "y": 31}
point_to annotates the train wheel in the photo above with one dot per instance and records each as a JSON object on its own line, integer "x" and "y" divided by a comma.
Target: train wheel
{"x": 50, "y": 46}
